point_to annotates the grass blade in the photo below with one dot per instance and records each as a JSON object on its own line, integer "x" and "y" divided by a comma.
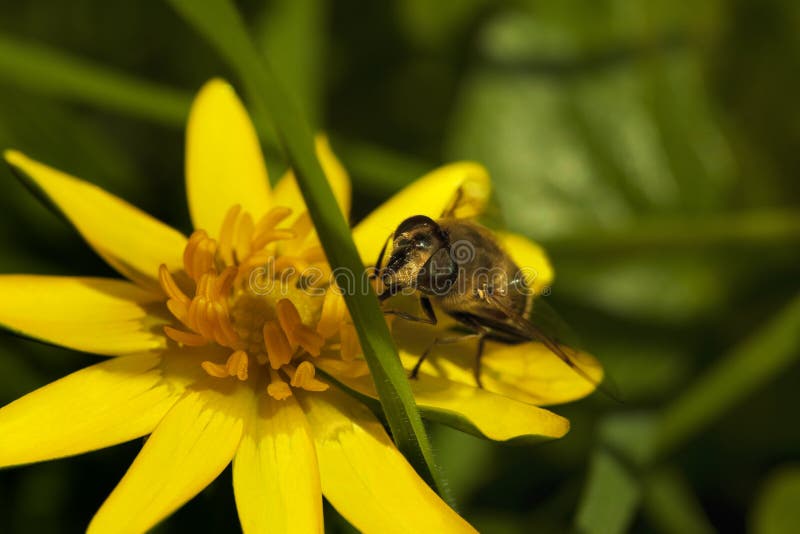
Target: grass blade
{"x": 748, "y": 367}
{"x": 220, "y": 23}
{"x": 47, "y": 71}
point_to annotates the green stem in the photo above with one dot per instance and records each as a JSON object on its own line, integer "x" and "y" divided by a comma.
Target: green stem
{"x": 748, "y": 367}
{"x": 53, "y": 73}
{"x": 757, "y": 229}
{"x": 220, "y": 23}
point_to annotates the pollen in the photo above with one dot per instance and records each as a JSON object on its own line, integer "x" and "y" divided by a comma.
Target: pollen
{"x": 248, "y": 292}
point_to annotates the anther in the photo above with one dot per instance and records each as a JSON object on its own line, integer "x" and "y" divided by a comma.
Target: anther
{"x": 185, "y": 338}
{"x": 303, "y": 377}
{"x": 238, "y": 365}
{"x": 278, "y": 349}
{"x": 298, "y": 333}
{"x": 278, "y": 389}
{"x": 169, "y": 286}
{"x": 226, "y": 234}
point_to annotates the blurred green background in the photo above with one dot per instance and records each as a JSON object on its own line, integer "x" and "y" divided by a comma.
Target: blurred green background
{"x": 652, "y": 147}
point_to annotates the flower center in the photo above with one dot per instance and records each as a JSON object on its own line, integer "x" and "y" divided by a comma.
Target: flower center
{"x": 248, "y": 292}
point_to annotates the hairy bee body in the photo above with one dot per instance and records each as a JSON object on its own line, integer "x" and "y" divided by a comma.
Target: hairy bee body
{"x": 484, "y": 270}
{"x": 458, "y": 265}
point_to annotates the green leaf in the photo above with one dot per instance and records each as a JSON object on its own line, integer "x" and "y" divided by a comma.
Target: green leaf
{"x": 613, "y": 490}
{"x": 47, "y": 71}
{"x": 220, "y": 23}
{"x": 777, "y": 510}
{"x": 41, "y": 70}
{"x": 291, "y": 34}
{"x": 610, "y": 498}
{"x": 593, "y": 120}
{"x": 748, "y": 367}
{"x": 693, "y": 234}
{"x": 670, "y": 504}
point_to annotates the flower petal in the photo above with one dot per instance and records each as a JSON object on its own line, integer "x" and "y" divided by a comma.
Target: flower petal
{"x": 275, "y": 474}
{"x": 530, "y": 258}
{"x": 131, "y": 241}
{"x": 288, "y": 194}
{"x": 224, "y": 163}
{"x": 191, "y": 446}
{"x": 527, "y": 372}
{"x": 99, "y": 406}
{"x": 469, "y": 408}
{"x": 98, "y": 315}
{"x": 431, "y": 195}
{"x": 365, "y": 477}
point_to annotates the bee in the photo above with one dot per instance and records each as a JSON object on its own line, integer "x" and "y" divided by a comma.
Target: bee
{"x": 458, "y": 265}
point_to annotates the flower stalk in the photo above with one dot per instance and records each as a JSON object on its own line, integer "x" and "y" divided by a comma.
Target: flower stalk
{"x": 220, "y": 23}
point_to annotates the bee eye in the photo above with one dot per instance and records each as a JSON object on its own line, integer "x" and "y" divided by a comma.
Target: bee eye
{"x": 422, "y": 243}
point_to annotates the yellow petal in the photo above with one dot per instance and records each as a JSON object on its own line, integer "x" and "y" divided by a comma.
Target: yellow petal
{"x": 527, "y": 372}
{"x": 275, "y": 474}
{"x": 191, "y": 446}
{"x": 287, "y": 193}
{"x": 131, "y": 241}
{"x": 470, "y": 408}
{"x": 365, "y": 477}
{"x": 431, "y": 195}
{"x": 98, "y": 315}
{"x": 102, "y": 405}
{"x": 530, "y": 258}
{"x": 224, "y": 163}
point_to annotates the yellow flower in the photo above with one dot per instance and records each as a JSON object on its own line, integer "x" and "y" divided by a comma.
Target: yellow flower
{"x": 217, "y": 339}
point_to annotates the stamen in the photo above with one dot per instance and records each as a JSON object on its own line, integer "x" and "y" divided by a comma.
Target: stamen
{"x": 226, "y": 310}
{"x": 207, "y": 313}
{"x": 169, "y": 286}
{"x": 224, "y": 282}
{"x": 226, "y": 330}
{"x": 272, "y": 218}
{"x": 214, "y": 369}
{"x": 226, "y": 234}
{"x": 243, "y": 236}
{"x": 185, "y": 338}
{"x": 303, "y": 226}
{"x": 178, "y": 309}
{"x": 278, "y": 389}
{"x": 296, "y": 331}
{"x": 198, "y": 256}
{"x": 265, "y": 238}
{"x": 236, "y": 365}
{"x": 259, "y": 259}
{"x": 303, "y": 377}
{"x": 279, "y": 351}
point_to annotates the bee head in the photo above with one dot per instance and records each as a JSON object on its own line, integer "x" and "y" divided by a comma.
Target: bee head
{"x": 417, "y": 245}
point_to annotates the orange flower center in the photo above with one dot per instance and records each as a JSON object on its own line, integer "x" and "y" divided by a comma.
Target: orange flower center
{"x": 260, "y": 291}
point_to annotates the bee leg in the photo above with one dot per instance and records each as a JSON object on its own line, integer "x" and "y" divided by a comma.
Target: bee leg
{"x": 386, "y": 293}
{"x": 427, "y": 308}
{"x": 440, "y": 341}
{"x": 451, "y": 209}
{"x": 477, "y": 369}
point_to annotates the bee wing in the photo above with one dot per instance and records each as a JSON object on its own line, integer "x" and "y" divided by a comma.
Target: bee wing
{"x": 546, "y": 327}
